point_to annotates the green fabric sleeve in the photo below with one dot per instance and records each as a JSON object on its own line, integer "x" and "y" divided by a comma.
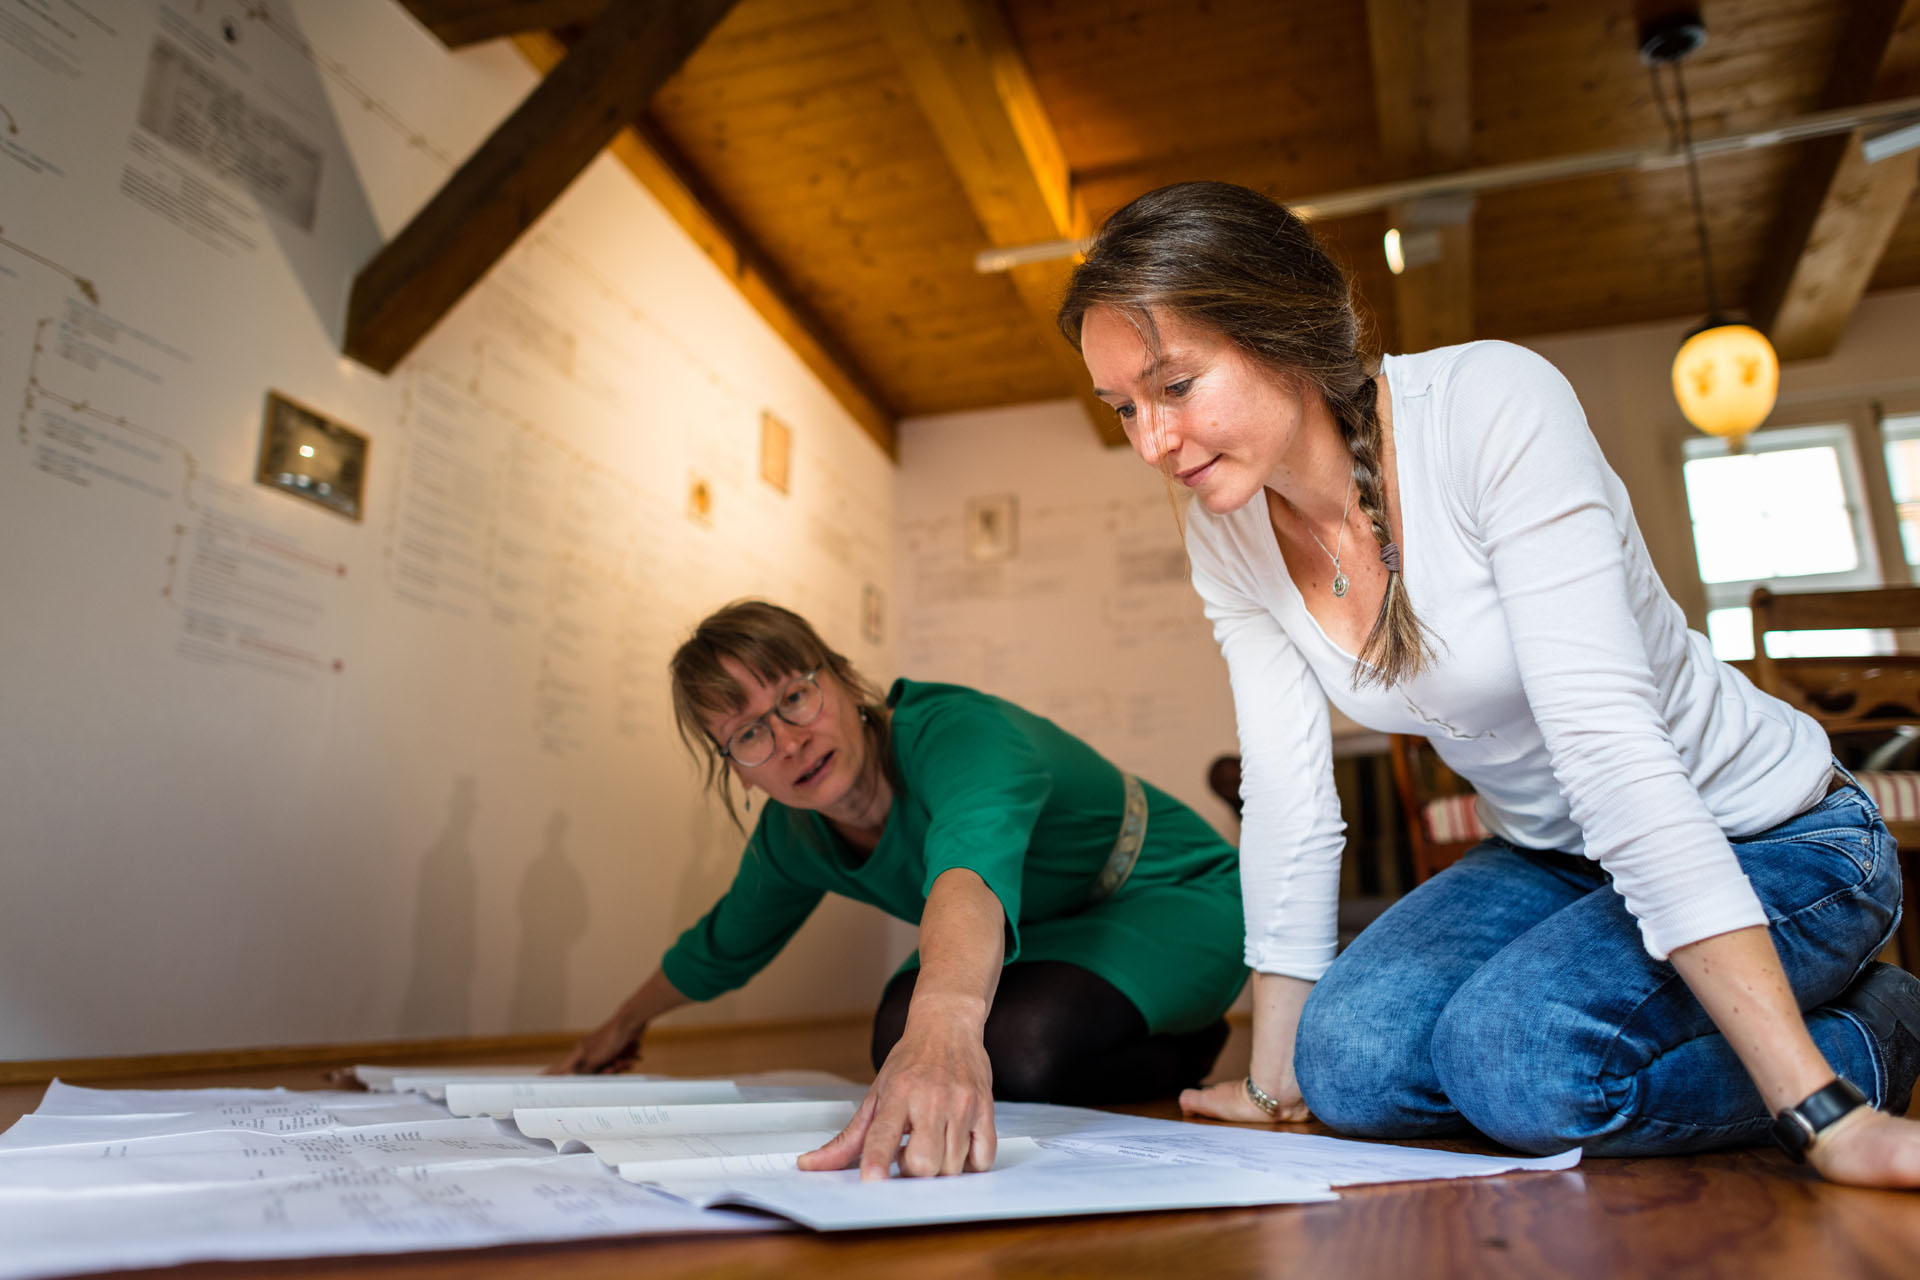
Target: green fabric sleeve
{"x": 983, "y": 784}
{"x": 746, "y": 929}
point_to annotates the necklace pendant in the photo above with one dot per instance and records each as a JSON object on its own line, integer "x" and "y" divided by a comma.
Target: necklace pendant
{"x": 1339, "y": 583}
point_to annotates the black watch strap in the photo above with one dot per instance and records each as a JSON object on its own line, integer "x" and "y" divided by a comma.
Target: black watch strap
{"x": 1796, "y": 1127}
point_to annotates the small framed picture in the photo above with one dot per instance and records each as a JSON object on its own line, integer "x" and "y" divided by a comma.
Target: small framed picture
{"x": 873, "y": 614}
{"x": 700, "y": 500}
{"x": 311, "y": 456}
{"x": 992, "y": 527}
{"x": 776, "y": 450}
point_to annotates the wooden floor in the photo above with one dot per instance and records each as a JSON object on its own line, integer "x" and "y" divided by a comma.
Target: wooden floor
{"x": 1747, "y": 1214}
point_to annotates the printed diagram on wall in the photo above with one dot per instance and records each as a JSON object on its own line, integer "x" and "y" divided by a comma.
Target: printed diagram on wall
{"x": 311, "y": 456}
{"x": 992, "y": 527}
{"x": 776, "y": 450}
{"x": 248, "y": 596}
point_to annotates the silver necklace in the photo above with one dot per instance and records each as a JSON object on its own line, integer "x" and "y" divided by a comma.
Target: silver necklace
{"x": 1339, "y": 542}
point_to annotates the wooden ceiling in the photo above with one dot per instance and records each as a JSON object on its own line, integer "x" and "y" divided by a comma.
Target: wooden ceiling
{"x": 844, "y": 160}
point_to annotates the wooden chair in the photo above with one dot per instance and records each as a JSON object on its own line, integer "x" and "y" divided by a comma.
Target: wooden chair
{"x": 1861, "y": 703}
{"x": 1442, "y": 822}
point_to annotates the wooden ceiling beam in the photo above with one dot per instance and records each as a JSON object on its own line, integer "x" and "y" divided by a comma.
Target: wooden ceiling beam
{"x": 657, "y": 165}
{"x": 455, "y": 23}
{"x": 972, "y": 85}
{"x": 1839, "y": 212}
{"x": 1421, "y": 75}
{"x": 603, "y": 82}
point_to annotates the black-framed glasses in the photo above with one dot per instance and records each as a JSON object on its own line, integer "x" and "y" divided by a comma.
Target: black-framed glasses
{"x": 798, "y": 704}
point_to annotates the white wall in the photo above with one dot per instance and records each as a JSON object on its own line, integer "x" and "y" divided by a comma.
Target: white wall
{"x": 272, "y": 776}
{"x": 1092, "y": 621}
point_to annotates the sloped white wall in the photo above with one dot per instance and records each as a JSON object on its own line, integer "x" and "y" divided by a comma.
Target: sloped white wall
{"x": 272, "y": 776}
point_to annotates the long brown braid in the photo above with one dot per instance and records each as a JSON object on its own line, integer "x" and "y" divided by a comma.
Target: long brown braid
{"x": 1234, "y": 261}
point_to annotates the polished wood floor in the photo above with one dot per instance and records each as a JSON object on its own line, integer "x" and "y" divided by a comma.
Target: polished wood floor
{"x": 1745, "y": 1214}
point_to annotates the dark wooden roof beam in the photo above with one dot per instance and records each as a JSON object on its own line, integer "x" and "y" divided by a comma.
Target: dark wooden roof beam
{"x": 973, "y": 87}
{"x": 604, "y": 82}
{"x": 1839, "y": 211}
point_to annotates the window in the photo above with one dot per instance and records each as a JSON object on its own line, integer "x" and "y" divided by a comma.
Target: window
{"x": 1787, "y": 512}
{"x": 1902, "y": 436}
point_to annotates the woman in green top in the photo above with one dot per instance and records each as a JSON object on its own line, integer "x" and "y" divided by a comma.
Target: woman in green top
{"x": 1079, "y": 931}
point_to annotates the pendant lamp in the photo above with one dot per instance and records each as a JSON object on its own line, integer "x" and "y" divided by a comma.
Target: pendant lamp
{"x": 1726, "y": 374}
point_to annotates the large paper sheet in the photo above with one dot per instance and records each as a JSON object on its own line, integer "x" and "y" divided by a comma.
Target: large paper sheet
{"x": 584, "y": 1125}
{"x": 502, "y": 1098}
{"x": 1027, "y": 1181}
{"x": 376, "y": 1211}
{"x": 39, "y": 1130}
{"x": 62, "y": 1099}
{"x": 643, "y": 1153}
{"x": 1338, "y": 1162}
{"x": 238, "y": 1156}
{"x": 380, "y": 1079}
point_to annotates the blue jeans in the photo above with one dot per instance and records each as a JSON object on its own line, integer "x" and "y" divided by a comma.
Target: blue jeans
{"x": 1511, "y": 994}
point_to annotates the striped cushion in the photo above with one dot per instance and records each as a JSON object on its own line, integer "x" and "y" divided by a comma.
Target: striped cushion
{"x": 1897, "y": 795}
{"x": 1452, "y": 819}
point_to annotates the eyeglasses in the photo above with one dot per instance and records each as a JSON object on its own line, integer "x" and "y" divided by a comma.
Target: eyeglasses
{"x": 799, "y": 704}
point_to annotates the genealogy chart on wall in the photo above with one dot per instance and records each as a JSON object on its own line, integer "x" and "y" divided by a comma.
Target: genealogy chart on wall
{"x": 374, "y": 742}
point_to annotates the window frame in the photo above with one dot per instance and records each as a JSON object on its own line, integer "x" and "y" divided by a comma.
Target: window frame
{"x": 1871, "y": 514}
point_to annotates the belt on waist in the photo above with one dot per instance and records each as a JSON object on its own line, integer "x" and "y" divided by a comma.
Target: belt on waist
{"x": 1126, "y": 847}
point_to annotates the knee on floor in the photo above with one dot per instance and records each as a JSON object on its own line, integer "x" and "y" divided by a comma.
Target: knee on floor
{"x": 1362, "y": 1070}
{"x": 1516, "y": 1078}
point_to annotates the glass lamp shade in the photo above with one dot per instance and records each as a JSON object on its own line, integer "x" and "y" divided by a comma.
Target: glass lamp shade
{"x": 1726, "y": 377}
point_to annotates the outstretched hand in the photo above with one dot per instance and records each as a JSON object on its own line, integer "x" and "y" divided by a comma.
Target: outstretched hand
{"x": 935, "y": 1090}
{"x": 1228, "y": 1100}
{"x": 1868, "y": 1148}
{"x": 612, "y": 1046}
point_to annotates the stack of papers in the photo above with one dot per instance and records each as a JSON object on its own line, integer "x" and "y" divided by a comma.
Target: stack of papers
{"x": 97, "y": 1179}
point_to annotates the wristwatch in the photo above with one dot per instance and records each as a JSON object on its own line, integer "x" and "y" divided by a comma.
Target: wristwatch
{"x": 1796, "y": 1127}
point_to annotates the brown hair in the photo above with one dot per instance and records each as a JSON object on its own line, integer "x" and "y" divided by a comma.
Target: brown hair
{"x": 1245, "y": 266}
{"x": 774, "y": 644}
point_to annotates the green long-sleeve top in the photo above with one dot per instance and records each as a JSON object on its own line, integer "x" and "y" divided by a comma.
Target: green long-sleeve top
{"x": 987, "y": 786}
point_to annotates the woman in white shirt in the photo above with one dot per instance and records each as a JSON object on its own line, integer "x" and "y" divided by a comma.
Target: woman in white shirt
{"x": 1667, "y": 945}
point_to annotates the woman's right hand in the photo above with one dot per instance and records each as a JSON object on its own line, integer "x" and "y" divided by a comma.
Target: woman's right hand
{"x": 614, "y": 1045}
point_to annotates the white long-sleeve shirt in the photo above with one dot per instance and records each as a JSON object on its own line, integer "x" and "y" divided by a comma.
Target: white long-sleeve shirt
{"x": 1566, "y": 686}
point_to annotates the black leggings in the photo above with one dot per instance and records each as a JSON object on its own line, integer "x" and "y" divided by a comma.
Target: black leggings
{"x": 1058, "y": 1033}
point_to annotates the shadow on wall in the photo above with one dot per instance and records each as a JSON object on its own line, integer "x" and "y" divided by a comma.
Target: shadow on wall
{"x": 554, "y": 913}
{"x": 446, "y": 928}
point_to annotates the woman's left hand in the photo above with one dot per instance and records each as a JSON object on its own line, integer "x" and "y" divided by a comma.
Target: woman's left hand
{"x": 1869, "y": 1149}
{"x": 936, "y": 1090}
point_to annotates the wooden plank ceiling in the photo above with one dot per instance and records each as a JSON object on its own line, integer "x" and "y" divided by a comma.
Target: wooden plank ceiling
{"x": 845, "y": 160}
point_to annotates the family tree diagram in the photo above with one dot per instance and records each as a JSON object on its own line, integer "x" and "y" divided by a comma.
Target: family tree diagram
{"x": 245, "y": 594}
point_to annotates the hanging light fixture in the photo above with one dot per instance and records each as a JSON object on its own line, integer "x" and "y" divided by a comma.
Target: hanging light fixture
{"x": 1726, "y": 374}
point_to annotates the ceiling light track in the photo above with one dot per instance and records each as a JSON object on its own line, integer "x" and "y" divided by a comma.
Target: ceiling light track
{"x": 1891, "y": 115}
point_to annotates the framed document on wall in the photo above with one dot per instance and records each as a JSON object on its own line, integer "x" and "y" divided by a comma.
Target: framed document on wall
{"x": 311, "y": 456}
